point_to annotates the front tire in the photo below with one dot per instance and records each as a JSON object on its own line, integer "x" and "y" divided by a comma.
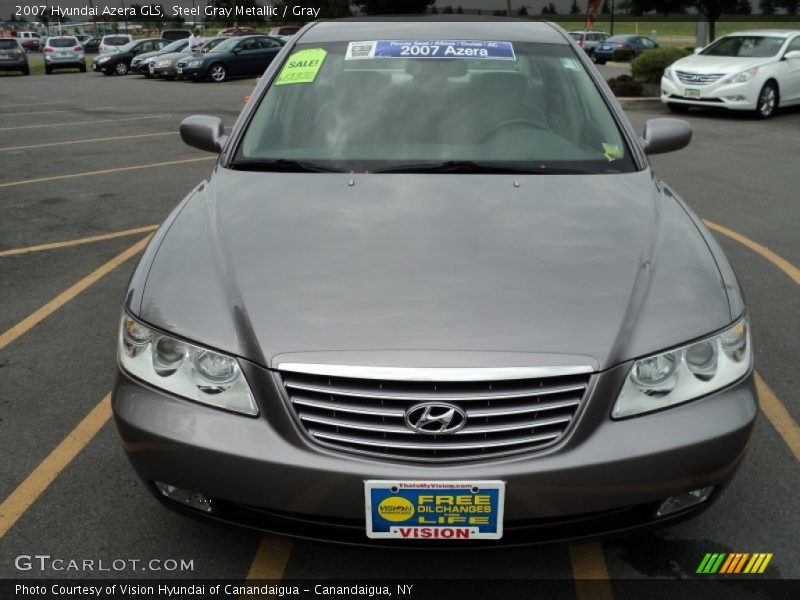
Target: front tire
{"x": 83, "y": 68}
{"x": 768, "y": 101}
{"x": 599, "y": 61}
{"x": 48, "y": 71}
{"x": 678, "y": 108}
{"x": 121, "y": 69}
{"x": 26, "y": 71}
{"x": 217, "y": 73}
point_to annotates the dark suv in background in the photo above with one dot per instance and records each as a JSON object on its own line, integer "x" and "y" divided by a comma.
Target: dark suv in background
{"x": 13, "y": 57}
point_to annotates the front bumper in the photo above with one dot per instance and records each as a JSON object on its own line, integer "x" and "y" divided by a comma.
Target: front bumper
{"x": 192, "y": 72}
{"x": 603, "y": 477}
{"x": 734, "y": 96}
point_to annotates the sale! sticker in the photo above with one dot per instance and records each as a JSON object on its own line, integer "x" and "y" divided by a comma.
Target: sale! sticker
{"x": 302, "y": 67}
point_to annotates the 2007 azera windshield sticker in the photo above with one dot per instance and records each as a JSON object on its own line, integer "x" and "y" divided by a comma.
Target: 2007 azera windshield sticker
{"x": 475, "y": 49}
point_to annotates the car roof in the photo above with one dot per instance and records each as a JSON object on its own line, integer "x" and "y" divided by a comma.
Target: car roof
{"x": 433, "y": 28}
{"x": 785, "y": 33}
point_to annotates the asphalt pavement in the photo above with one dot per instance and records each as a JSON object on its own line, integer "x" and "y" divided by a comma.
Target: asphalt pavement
{"x": 84, "y": 155}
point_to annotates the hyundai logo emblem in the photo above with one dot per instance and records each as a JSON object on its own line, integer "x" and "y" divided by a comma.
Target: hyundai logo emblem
{"x": 435, "y": 418}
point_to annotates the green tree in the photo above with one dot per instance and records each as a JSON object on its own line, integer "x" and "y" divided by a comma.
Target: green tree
{"x": 574, "y": 9}
{"x": 522, "y": 12}
{"x": 448, "y": 10}
{"x": 606, "y": 8}
{"x": 790, "y": 6}
{"x": 459, "y": 10}
{"x": 393, "y": 7}
{"x": 743, "y": 7}
{"x": 767, "y": 7}
{"x": 434, "y": 10}
{"x": 710, "y": 9}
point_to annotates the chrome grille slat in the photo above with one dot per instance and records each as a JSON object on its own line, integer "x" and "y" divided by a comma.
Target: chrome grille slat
{"x": 348, "y": 408}
{"x": 698, "y": 78}
{"x": 442, "y": 446}
{"x": 522, "y": 410}
{"x": 433, "y": 398}
{"x": 500, "y": 416}
{"x": 402, "y": 430}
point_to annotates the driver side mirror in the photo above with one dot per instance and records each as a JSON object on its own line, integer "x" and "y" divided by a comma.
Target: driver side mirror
{"x": 697, "y": 50}
{"x": 665, "y": 135}
{"x": 792, "y": 55}
{"x": 203, "y": 132}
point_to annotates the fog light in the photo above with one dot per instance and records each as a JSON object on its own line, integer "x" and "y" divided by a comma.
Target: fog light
{"x": 194, "y": 499}
{"x": 678, "y": 503}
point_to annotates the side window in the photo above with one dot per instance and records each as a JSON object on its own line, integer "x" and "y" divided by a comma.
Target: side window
{"x": 270, "y": 43}
{"x": 647, "y": 43}
{"x": 795, "y": 45}
{"x": 249, "y": 44}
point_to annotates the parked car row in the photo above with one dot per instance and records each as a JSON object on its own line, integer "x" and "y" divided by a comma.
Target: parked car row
{"x": 216, "y": 59}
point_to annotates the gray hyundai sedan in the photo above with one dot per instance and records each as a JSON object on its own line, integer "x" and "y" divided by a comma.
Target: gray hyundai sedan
{"x": 433, "y": 293}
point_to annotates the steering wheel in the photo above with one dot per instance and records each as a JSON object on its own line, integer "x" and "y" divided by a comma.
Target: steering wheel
{"x": 514, "y": 122}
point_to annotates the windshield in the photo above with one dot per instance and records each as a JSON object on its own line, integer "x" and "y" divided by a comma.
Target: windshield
{"x": 7, "y": 44}
{"x": 211, "y": 44}
{"x": 174, "y": 46}
{"x": 576, "y": 35}
{"x": 751, "y": 46}
{"x": 226, "y": 45}
{"x": 521, "y": 107}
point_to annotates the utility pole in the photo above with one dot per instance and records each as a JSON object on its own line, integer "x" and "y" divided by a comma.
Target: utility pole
{"x": 508, "y": 8}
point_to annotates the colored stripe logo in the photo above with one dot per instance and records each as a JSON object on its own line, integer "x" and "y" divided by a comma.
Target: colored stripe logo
{"x": 734, "y": 563}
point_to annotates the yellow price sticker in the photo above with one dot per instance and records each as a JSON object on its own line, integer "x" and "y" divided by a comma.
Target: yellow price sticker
{"x": 302, "y": 67}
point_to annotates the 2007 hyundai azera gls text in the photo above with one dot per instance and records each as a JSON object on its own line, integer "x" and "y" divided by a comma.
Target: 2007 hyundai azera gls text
{"x": 432, "y": 293}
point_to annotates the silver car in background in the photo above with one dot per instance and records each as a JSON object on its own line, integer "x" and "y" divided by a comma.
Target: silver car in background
{"x": 433, "y": 292}
{"x": 63, "y": 52}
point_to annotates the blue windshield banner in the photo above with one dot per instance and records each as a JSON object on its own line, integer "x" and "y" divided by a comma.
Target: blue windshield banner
{"x": 474, "y": 49}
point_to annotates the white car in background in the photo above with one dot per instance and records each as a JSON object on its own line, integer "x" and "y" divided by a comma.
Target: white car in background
{"x": 755, "y": 70}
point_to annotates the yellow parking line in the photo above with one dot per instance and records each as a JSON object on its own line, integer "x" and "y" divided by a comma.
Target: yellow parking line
{"x": 26, "y": 493}
{"x": 88, "y": 141}
{"x": 271, "y": 558}
{"x": 85, "y": 122}
{"x": 589, "y": 572}
{"x": 780, "y": 262}
{"x": 780, "y": 418}
{"x": 106, "y": 171}
{"x": 79, "y": 241}
{"x": 45, "y": 311}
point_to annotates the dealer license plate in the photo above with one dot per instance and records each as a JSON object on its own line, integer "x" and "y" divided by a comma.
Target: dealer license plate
{"x": 179, "y": 70}
{"x": 435, "y": 510}
{"x": 691, "y": 93}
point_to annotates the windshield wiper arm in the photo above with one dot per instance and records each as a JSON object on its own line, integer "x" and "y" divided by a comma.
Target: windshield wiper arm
{"x": 281, "y": 165}
{"x": 471, "y": 166}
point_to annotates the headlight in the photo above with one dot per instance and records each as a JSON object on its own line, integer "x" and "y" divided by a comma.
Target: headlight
{"x": 183, "y": 369}
{"x": 163, "y": 63}
{"x": 686, "y": 373}
{"x": 103, "y": 59}
{"x": 194, "y": 63}
{"x": 668, "y": 73}
{"x": 743, "y": 77}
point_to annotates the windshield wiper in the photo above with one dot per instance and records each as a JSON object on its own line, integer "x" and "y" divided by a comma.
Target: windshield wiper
{"x": 281, "y": 165}
{"x": 472, "y": 167}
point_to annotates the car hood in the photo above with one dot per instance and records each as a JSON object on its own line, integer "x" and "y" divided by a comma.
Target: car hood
{"x": 697, "y": 63}
{"x": 592, "y": 269}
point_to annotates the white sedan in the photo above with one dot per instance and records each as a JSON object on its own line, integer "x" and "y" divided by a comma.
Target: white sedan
{"x": 755, "y": 70}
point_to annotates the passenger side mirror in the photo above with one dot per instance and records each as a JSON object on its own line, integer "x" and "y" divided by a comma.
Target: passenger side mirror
{"x": 794, "y": 54}
{"x": 203, "y": 132}
{"x": 665, "y": 135}
{"x": 697, "y": 50}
